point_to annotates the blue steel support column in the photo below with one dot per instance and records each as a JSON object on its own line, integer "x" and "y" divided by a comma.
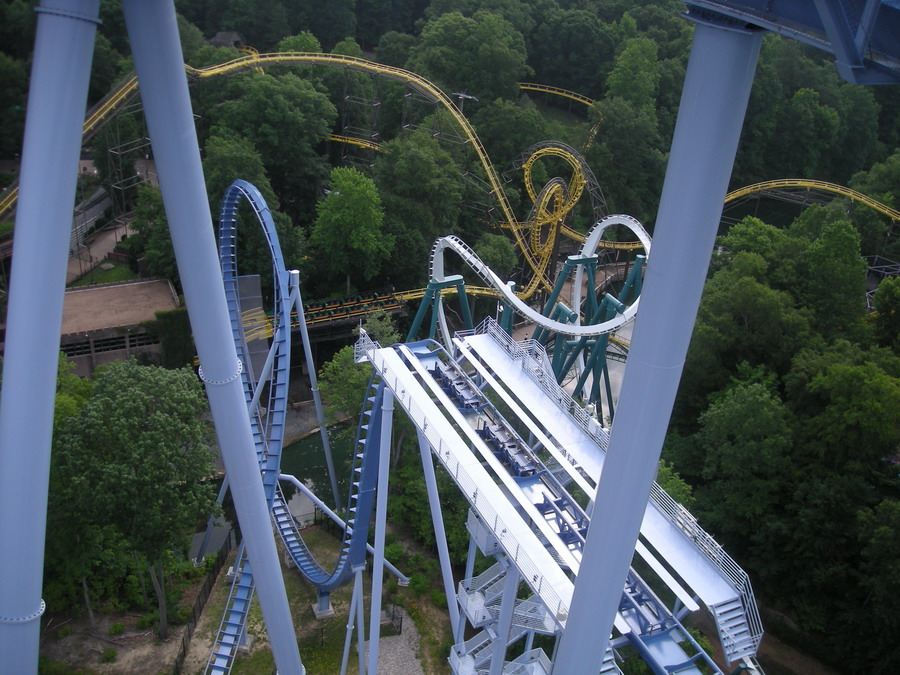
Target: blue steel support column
{"x": 56, "y": 101}
{"x": 384, "y": 467}
{"x": 314, "y": 387}
{"x": 160, "y": 69}
{"x": 440, "y": 534}
{"x": 713, "y": 102}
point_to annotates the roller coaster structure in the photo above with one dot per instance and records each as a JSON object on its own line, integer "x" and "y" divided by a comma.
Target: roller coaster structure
{"x": 446, "y": 391}
{"x": 587, "y": 604}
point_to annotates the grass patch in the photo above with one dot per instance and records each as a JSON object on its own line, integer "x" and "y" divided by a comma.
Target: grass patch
{"x": 118, "y": 272}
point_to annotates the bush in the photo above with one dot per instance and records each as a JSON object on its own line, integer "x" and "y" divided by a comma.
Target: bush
{"x": 109, "y": 655}
{"x": 419, "y": 583}
{"x": 147, "y": 620}
{"x": 116, "y": 628}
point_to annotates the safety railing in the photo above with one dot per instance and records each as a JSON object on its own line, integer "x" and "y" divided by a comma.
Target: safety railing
{"x": 533, "y": 358}
{"x": 531, "y": 570}
{"x": 531, "y": 355}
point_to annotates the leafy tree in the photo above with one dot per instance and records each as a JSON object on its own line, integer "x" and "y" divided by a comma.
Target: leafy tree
{"x": 740, "y": 320}
{"x": 106, "y": 68}
{"x": 262, "y": 23}
{"x": 856, "y": 142}
{"x": 662, "y": 24}
{"x": 135, "y": 462}
{"x": 286, "y": 119}
{"x": 751, "y": 161}
{"x": 342, "y": 383}
{"x": 13, "y": 92}
{"x": 853, "y": 425}
{"x": 152, "y": 227}
{"x": 635, "y": 75}
{"x": 670, "y": 481}
{"x": 804, "y": 126}
{"x": 302, "y": 42}
{"x": 626, "y": 157}
{"x": 72, "y": 392}
{"x": 330, "y": 22}
{"x": 588, "y": 54}
{"x": 498, "y": 253}
{"x": 831, "y": 274}
{"x": 349, "y": 228}
{"x": 191, "y": 38}
{"x": 507, "y": 130}
{"x": 421, "y": 188}
{"x": 887, "y": 313}
{"x": 17, "y": 23}
{"x": 483, "y": 55}
{"x": 228, "y": 157}
{"x": 747, "y": 438}
{"x": 376, "y": 18}
{"x": 393, "y": 48}
{"x": 880, "y": 584}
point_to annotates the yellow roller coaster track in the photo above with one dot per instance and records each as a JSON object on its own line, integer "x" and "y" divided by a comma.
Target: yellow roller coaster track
{"x": 352, "y": 140}
{"x": 537, "y": 256}
{"x": 795, "y": 183}
{"x": 423, "y": 86}
{"x": 556, "y": 91}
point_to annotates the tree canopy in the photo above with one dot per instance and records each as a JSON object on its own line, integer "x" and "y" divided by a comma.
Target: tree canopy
{"x": 348, "y": 235}
{"x": 133, "y": 466}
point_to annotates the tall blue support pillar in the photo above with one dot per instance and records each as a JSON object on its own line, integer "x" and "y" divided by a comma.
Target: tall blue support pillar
{"x": 159, "y": 63}
{"x": 713, "y": 102}
{"x": 56, "y": 103}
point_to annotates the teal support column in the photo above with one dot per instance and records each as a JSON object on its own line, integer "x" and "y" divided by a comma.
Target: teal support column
{"x": 420, "y": 314}
{"x": 590, "y": 302}
{"x": 632, "y": 286}
{"x": 713, "y": 103}
{"x": 540, "y": 333}
{"x": 159, "y": 63}
{"x": 57, "y": 99}
{"x": 464, "y": 304}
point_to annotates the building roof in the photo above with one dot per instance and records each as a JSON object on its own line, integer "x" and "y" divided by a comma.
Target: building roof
{"x": 115, "y": 305}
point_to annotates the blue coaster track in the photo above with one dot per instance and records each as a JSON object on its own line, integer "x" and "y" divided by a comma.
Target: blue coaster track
{"x": 268, "y": 431}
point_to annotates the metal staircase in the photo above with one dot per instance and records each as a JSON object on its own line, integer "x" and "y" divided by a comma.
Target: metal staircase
{"x": 734, "y": 631}
{"x": 480, "y": 598}
{"x": 234, "y": 620}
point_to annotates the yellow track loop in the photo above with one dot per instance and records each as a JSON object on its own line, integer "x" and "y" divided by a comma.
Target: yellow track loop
{"x": 784, "y": 183}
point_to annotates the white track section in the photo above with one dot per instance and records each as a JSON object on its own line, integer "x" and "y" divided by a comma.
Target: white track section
{"x": 489, "y": 500}
{"x": 469, "y": 257}
{"x": 590, "y": 247}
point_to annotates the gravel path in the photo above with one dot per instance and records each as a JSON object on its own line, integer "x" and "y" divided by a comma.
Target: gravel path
{"x": 399, "y": 654}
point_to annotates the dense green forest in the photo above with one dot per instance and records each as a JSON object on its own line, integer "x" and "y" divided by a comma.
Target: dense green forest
{"x": 787, "y": 423}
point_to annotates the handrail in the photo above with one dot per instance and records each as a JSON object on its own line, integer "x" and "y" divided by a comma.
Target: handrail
{"x": 530, "y": 354}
